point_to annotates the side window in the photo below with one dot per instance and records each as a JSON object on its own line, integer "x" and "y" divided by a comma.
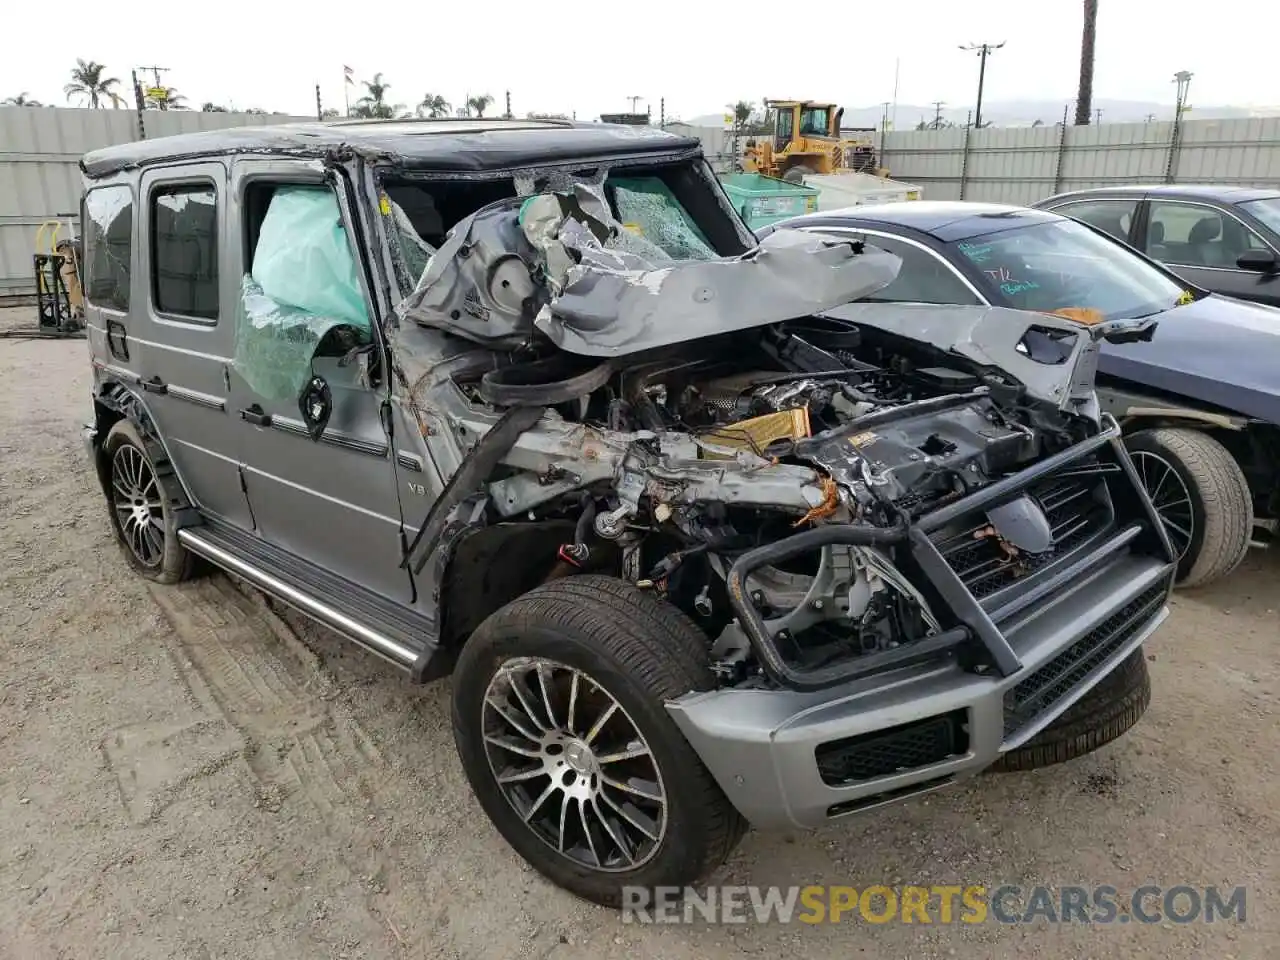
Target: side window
{"x": 1197, "y": 235}
{"x": 301, "y": 298}
{"x": 1110, "y": 216}
{"x": 184, "y": 251}
{"x": 108, "y": 238}
{"x": 923, "y": 278}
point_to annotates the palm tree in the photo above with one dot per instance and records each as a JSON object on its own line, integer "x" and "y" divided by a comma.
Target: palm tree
{"x": 374, "y": 104}
{"x": 1084, "y": 95}
{"x": 21, "y": 100}
{"x": 434, "y": 106}
{"x": 479, "y": 104}
{"x": 210, "y": 107}
{"x": 88, "y": 82}
{"x": 329, "y": 114}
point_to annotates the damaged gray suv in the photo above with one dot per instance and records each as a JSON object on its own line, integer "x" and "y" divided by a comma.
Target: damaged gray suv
{"x": 527, "y": 403}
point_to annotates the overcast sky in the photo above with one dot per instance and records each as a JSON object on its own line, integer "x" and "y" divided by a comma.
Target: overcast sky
{"x": 558, "y": 57}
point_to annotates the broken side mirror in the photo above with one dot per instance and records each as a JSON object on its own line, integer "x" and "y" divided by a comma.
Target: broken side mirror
{"x": 315, "y": 403}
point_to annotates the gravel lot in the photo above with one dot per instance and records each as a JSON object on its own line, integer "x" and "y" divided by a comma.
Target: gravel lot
{"x": 185, "y": 774}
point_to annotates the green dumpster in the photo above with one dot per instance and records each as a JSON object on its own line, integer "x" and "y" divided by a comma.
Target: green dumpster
{"x": 763, "y": 200}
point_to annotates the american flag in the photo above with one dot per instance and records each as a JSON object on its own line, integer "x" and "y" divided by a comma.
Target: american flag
{"x": 348, "y": 73}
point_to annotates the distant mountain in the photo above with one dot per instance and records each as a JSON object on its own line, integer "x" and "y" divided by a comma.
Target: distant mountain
{"x": 1023, "y": 113}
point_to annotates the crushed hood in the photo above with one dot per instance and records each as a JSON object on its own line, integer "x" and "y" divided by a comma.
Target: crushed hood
{"x": 561, "y": 263}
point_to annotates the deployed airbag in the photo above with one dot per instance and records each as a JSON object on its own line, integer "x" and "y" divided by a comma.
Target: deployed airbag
{"x": 303, "y": 259}
{"x": 303, "y": 285}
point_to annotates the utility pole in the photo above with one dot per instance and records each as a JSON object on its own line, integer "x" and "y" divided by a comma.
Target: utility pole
{"x": 634, "y": 101}
{"x": 162, "y": 102}
{"x": 138, "y": 103}
{"x": 937, "y": 114}
{"x": 508, "y": 113}
{"x": 1097, "y": 115}
{"x": 662, "y": 113}
{"x": 1183, "y": 79}
{"x": 984, "y": 50}
{"x": 319, "y": 108}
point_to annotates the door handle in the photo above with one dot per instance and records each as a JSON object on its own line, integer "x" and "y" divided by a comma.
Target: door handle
{"x": 154, "y": 385}
{"x": 255, "y": 415}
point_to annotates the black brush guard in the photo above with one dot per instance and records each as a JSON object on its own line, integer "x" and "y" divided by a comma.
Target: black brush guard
{"x": 975, "y": 622}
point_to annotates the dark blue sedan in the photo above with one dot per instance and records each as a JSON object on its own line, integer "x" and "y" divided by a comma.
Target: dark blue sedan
{"x": 1222, "y": 238}
{"x": 1200, "y": 401}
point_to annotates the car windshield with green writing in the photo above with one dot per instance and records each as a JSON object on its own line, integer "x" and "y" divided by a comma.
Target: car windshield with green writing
{"x": 1065, "y": 265}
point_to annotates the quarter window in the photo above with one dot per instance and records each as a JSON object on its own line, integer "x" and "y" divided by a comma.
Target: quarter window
{"x": 184, "y": 251}
{"x": 1114, "y": 217}
{"x": 108, "y": 238}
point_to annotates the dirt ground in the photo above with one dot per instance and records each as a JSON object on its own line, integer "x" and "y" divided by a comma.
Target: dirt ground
{"x": 185, "y": 774}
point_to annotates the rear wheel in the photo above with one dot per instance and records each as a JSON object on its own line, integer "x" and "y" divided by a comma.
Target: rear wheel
{"x": 797, "y": 173}
{"x": 1102, "y": 715}
{"x": 141, "y": 515}
{"x": 559, "y": 721}
{"x": 1202, "y": 497}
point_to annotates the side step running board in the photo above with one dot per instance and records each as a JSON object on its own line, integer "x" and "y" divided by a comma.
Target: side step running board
{"x": 384, "y": 646}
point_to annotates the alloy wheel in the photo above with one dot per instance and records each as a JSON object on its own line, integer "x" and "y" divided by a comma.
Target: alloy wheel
{"x": 1170, "y": 496}
{"x": 573, "y": 764}
{"x": 135, "y": 498}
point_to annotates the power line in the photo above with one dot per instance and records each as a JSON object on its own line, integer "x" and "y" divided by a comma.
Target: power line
{"x": 984, "y": 51}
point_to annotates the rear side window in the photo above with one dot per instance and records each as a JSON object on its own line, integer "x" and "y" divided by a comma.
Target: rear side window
{"x": 108, "y": 239}
{"x": 1110, "y": 216}
{"x": 184, "y": 251}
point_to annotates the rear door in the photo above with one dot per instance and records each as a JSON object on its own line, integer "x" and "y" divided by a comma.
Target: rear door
{"x": 1116, "y": 216}
{"x": 183, "y": 328}
{"x": 331, "y": 502}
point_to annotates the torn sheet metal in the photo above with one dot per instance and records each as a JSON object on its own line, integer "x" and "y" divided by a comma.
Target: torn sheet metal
{"x": 610, "y": 306}
{"x": 480, "y": 283}
{"x": 562, "y": 262}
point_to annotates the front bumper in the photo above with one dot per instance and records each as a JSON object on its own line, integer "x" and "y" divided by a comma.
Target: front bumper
{"x": 762, "y": 746}
{"x": 815, "y": 746}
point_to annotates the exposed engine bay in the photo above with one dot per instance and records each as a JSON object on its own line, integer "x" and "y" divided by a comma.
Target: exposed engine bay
{"x": 672, "y": 459}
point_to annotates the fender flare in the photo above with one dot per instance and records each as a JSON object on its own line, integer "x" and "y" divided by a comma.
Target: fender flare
{"x": 122, "y": 403}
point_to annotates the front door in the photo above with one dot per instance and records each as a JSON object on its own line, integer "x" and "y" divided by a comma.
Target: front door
{"x": 305, "y": 312}
{"x": 1203, "y": 243}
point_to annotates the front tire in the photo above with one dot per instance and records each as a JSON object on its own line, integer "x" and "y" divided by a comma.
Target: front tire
{"x": 797, "y": 173}
{"x": 140, "y": 512}
{"x": 560, "y": 724}
{"x": 1201, "y": 495}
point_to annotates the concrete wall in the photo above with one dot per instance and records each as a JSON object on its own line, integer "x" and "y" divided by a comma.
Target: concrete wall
{"x": 1024, "y": 165}
{"x": 40, "y": 148}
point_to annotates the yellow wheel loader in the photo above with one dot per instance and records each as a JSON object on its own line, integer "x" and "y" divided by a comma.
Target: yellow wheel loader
{"x": 806, "y": 140}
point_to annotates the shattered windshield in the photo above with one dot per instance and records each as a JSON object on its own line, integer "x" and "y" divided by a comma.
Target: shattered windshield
{"x": 647, "y": 208}
{"x": 1063, "y": 265}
